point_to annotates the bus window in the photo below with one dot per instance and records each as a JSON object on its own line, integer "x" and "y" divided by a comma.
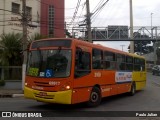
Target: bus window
{"x": 97, "y": 56}
{"x": 142, "y": 64}
{"x": 137, "y": 64}
{"x": 109, "y": 61}
{"x": 82, "y": 63}
{"x": 129, "y": 63}
{"x": 58, "y": 62}
{"x": 121, "y": 62}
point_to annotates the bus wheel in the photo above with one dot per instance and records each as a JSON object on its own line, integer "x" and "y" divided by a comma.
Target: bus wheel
{"x": 95, "y": 97}
{"x": 133, "y": 89}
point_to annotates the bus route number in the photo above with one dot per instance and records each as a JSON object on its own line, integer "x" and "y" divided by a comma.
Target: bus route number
{"x": 97, "y": 74}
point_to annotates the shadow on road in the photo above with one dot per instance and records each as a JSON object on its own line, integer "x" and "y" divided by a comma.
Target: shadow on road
{"x": 80, "y": 106}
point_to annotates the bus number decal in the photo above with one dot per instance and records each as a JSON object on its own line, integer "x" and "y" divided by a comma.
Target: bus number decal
{"x": 54, "y": 83}
{"x": 97, "y": 74}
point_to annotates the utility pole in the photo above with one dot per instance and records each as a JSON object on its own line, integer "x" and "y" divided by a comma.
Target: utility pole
{"x": 151, "y": 26}
{"x": 24, "y": 41}
{"x": 88, "y": 21}
{"x": 131, "y": 28}
{"x": 4, "y": 15}
{"x": 154, "y": 44}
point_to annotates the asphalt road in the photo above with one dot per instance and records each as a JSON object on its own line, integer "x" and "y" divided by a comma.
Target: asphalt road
{"x": 145, "y": 100}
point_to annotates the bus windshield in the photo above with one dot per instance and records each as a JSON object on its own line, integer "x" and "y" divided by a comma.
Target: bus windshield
{"x": 49, "y": 63}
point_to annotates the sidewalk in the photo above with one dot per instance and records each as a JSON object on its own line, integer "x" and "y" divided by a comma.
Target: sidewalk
{"x": 11, "y": 93}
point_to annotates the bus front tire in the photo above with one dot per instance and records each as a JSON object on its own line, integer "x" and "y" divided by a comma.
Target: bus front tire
{"x": 95, "y": 97}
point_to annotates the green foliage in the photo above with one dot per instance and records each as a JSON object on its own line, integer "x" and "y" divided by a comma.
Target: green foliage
{"x": 37, "y": 36}
{"x": 10, "y": 49}
{"x": 142, "y": 46}
{"x": 68, "y": 34}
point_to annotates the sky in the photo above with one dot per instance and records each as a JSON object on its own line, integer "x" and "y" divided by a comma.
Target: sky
{"x": 116, "y": 12}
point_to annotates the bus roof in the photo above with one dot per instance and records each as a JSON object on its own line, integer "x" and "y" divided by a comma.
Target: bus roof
{"x": 88, "y": 44}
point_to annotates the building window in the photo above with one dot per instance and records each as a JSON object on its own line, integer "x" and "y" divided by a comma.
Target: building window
{"x": 29, "y": 11}
{"x": 51, "y": 21}
{"x": 15, "y": 8}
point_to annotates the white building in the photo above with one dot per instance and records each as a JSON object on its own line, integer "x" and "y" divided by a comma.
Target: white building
{"x": 11, "y": 16}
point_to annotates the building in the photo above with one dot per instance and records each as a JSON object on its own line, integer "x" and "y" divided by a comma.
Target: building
{"x": 52, "y": 18}
{"x": 44, "y": 16}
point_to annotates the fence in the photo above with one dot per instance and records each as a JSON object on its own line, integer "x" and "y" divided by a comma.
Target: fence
{"x": 11, "y": 73}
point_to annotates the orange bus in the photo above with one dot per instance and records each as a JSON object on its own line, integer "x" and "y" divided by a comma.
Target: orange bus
{"x": 69, "y": 71}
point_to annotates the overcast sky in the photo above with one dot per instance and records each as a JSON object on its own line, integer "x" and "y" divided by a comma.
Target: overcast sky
{"x": 116, "y": 12}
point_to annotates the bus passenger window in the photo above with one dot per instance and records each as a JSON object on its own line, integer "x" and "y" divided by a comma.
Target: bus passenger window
{"x": 109, "y": 61}
{"x": 129, "y": 63}
{"x": 97, "y": 56}
{"x": 121, "y": 62}
{"x": 139, "y": 64}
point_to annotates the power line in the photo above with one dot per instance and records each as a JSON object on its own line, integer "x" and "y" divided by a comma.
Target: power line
{"x": 10, "y": 11}
{"x": 100, "y": 2}
{"x": 76, "y": 11}
{"x": 81, "y": 11}
{"x": 95, "y": 14}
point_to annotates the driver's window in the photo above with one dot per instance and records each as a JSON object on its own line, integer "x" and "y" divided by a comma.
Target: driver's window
{"x": 82, "y": 63}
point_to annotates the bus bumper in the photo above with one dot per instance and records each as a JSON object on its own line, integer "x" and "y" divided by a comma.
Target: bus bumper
{"x": 61, "y": 97}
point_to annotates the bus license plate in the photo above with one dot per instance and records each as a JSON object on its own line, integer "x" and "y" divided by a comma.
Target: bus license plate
{"x": 42, "y": 93}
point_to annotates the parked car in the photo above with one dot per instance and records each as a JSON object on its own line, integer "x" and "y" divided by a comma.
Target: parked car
{"x": 156, "y": 70}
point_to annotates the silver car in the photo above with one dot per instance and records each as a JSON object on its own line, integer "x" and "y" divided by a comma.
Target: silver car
{"x": 156, "y": 70}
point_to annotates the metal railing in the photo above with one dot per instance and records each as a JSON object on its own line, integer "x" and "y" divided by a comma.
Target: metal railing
{"x": 11, "y": 72}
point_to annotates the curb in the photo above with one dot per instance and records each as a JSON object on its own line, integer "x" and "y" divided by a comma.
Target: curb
{"x": 17, "y": 95}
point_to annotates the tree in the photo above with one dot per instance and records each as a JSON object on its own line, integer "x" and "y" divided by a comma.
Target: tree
{"x": 10, "y": 49}
{"x": 37, "y": 36}
{"x": 68, "y": 34}
{"x": 142, "y": 47}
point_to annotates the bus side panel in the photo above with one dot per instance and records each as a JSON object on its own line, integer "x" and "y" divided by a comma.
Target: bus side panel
{"x": 140, "y": 79}
{"x": 80, "y": 95}
{"x": 140, "y": 85}
{"x": 123, "y": 88}
{"x": 105, "y": 90}
{"x": 107, "y": 77}
{"x": 114, "y": 90}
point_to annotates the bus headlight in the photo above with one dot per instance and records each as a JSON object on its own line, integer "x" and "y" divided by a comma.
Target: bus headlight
{"x": 26, "y": 84}
{"x": 66, "y": 87}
